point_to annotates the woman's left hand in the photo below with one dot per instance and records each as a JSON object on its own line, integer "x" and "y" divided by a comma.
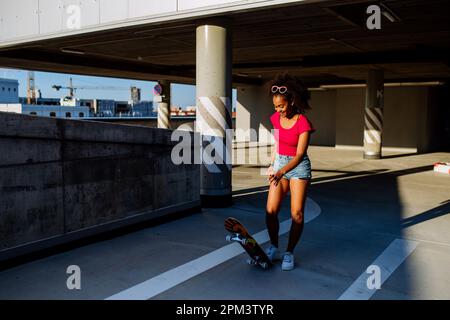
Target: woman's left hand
{"x": 276, "y": 177}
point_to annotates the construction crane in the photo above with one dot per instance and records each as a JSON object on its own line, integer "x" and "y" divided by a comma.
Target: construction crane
{"x": 72, "y": 89}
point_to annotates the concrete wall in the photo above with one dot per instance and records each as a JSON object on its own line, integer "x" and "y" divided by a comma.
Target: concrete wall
{"x": 253, "y": 110}
{"x": 435, "y": 120}
{"x": 176, "y": 123}
{"x": 62, "y": 180}
{"x": 151, "y": 123}
{"x": 323, "y": 117}
{"x": 350, "y": 117}
{"x": 403, "y": 117}
{"x": 9, "y": 90}
{"x": 412, "y": 117}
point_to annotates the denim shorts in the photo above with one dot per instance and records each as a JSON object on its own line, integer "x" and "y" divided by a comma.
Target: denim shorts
{"x": 301, "y": 171}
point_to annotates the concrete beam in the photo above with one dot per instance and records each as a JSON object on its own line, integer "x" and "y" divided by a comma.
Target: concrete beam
{"x": 49, "y": 19}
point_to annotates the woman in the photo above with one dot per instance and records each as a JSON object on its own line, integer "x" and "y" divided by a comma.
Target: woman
{"x": 290, "y": 169}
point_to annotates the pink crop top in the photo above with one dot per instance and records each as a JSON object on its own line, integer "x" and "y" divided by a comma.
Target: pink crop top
{"x": 287, "y": 139}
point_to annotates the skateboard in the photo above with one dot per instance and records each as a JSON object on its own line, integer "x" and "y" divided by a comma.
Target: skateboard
{"x": 240, "y": 234}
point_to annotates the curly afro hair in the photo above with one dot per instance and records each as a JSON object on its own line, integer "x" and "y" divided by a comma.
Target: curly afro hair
{"x": 297, "y": 93}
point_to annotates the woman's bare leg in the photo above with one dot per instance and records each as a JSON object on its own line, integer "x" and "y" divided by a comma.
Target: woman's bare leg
{"x": 274, "y": 199}
{"x": 298, "y": 188}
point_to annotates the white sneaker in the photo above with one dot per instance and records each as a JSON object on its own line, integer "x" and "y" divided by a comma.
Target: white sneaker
{"x": 288, "y": 262}
{"x": 273, "y": 253}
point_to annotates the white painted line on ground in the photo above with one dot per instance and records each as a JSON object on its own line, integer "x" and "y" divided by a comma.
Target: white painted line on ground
{"x": 388, "y": 261}
{"x": 174, "y": 277}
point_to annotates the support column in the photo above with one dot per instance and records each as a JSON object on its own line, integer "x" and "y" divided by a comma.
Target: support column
{"x": 164, "y": 105}
{"x": 373, "y": 114}
{"x": 213, "y": 116}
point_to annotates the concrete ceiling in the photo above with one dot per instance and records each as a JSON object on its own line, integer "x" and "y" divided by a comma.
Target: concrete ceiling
{"x": 325, "y": 42}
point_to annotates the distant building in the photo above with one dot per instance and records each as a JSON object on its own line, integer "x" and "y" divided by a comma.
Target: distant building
{"x": 190, "y": 110}
{"x": 9, "y": 91}
{"x": 104, "y": 107}
{"x": 46, "y": 110}
{"x": 123, "y": 108}
{"x": 10, "y": 102}
{"x": 135, "y": 95}
{"x": 42, "y": 101}
{"x": 69, "y": 102}
{"x": 70, "y": 107}
{"x": 142, "y": 109}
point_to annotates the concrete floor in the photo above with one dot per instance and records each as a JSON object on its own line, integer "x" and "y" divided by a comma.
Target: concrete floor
{"x": 364, "y": 206}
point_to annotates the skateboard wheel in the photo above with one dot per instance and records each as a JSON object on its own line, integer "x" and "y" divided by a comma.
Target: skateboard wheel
{"x": 251, "y": 262}
{"x": 228, "y": 238}
{"x": 264, "y": 265}
{"x": 244, "y": 241}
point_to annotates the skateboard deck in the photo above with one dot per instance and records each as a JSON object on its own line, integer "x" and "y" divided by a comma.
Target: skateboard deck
{"x": 238, "y": 233}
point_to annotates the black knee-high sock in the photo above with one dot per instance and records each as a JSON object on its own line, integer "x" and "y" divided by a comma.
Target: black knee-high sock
{"x": 295, "y": 234}
{"x": 273, "y": 226}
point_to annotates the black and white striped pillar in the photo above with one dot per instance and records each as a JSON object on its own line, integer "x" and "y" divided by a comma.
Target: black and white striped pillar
{"x": 213, "y": 114}
{"x": 373, "y": 115}
{"x": 164, "y": 105}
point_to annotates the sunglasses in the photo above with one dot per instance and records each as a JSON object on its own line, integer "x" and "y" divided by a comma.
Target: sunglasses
{"x": 276, "y": 89}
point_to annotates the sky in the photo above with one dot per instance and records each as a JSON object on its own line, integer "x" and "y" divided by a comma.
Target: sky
{"x": 182, "y": 95}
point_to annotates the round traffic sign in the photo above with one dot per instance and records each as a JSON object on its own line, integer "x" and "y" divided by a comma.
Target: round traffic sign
{"x": 157, "y": 90}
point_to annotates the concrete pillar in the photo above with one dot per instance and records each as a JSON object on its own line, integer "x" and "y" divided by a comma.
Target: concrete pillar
{"x": 213, "y": 116}
{"x": 373, "y": 114}
{"x": 164, "y": 105}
